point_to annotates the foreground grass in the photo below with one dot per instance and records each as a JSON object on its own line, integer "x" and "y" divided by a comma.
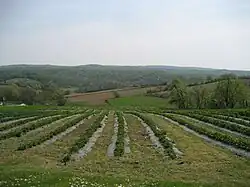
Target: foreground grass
{"x": 34, "y": 177}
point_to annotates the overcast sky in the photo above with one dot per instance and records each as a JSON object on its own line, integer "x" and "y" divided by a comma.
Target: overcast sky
{"x": 204, "y": 33}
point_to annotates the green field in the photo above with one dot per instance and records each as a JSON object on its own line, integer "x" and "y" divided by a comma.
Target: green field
{"x": 50, "y": 146}
{"x": 140, "y": 101}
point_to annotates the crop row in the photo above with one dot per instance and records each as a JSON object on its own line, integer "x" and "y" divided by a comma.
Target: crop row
{"x": 17, "y": 132}
{"x": 160, "y": 133}
{"x": 212, "y": 133}
{"x": 10, "y": 118}
{"x": 226, "y": 118}
{"x": 23, "y": 121}
{"x": 119, "y": 148}
{"x": 55, "y": 132}
{"x": 15, "y": 115}
{"x": 10, "y": 115}
{"x": 84, "y": 138}
{"x": 243, "y": 114}
{"x": 219, "y": 123}
{"x": 19, "y": 122}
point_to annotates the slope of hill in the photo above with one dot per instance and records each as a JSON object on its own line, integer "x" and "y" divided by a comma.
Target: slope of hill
{"x": 97, "y": 77}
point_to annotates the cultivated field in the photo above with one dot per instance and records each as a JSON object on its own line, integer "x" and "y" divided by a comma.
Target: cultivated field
{"x": 107, "y": 147}
{"x": 100, "y": 97}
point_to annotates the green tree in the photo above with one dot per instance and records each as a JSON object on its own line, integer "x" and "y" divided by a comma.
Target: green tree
{"x": 59, "y": 98}
{"x": 61, "y": 101}
{"x": 229, "y": 92}
{"x": 9, "y": 92}
{"x": 179, "y": 94}
{"x": 66, "y": 92}
{"x": 27, "y": 95}
{"x": 116, "y": 94}
{"x": 200, "y": 96}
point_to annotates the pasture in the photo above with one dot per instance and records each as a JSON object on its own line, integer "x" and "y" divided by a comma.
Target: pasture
{"x": 83, "y": 146}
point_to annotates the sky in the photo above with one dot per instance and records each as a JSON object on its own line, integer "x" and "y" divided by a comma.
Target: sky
{"x": 197, "y": 33}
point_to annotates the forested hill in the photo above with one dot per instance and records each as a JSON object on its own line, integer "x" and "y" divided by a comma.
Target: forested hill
{"x": 98, "y": 77}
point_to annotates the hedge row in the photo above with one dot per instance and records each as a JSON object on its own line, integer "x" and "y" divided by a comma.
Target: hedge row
{"x": 55, "y": 132}
{"x": 212, "y": 133}
{"x": 161, "y": 134}
{"x": 84, "y": 138}
{"x": 119, "y": 148}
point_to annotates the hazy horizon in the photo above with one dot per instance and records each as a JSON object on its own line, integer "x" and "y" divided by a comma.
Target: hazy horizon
{"x": 197, "y": 33}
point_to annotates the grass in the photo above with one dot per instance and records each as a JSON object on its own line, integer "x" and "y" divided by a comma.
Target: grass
{"x": 139, "y": 101}
{"x": 27, "y": 177}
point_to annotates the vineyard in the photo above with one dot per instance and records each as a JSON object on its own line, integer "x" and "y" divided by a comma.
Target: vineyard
{"x": 80, "y": 146}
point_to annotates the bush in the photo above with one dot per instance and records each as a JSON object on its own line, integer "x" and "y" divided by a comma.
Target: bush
{"x": 116, "y": 94}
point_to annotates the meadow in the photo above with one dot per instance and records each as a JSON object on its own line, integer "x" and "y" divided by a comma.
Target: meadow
{"x": 124, "y": 146}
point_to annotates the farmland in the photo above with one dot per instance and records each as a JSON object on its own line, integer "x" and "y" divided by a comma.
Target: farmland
{"x": 101, "y": 97}
{"x": 93, "y": 146}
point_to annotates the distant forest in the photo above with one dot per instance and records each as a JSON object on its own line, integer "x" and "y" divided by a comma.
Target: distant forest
{"x": 96, "y": 77}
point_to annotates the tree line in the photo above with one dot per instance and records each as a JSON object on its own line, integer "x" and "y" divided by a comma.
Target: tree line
{"x": 229, "y": 92}
{"x": 14, "y": 94}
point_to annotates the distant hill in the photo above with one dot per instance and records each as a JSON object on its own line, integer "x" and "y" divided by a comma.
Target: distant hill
{"x": 97, "y": 77}
{"x": 25, "y": 82}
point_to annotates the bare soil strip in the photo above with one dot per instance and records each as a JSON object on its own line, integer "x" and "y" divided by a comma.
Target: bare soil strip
{"x": 154, "y": 139}
{"x": 127, "y": 149}
{"x": 88, "y": 147}
{"x": 55, "y": 151}
{"x": 69, "y": 130}
{"x": 112, "y": 145}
